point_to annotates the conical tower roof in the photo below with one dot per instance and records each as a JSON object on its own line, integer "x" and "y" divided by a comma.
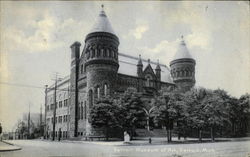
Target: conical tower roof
{"x": 139, "y": 61}
{"x": 102, "y": 24}
{"x": 182, "y": 51}
{"x": 158, "y": 66}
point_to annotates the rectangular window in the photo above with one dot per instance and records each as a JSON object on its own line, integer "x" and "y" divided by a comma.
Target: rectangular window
{"x": 66, "y": 102}
{"x": 60, "y": 104}
{"x": 81, "y": 110}
{"x": 60, "y": 119}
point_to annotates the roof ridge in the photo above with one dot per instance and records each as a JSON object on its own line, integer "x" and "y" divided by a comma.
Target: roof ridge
{"x": 144, "y": 60}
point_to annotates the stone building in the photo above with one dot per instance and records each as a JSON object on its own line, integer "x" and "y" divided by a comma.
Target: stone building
{"x": 101, "y": 70}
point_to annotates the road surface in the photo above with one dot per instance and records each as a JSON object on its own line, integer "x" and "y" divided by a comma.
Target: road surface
{"x": 36, "y": 148}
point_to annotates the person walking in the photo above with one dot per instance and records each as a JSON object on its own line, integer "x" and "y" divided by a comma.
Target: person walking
{"x": 1, "y": 132}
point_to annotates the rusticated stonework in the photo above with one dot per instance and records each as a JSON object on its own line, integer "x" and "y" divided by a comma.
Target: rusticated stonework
{"x": 99, "y": 71}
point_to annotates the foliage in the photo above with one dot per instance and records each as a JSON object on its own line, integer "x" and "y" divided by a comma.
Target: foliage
{"x": 105, "y": 114}
{"x": 131, "y": 107}
{"x": 198, "y": 109}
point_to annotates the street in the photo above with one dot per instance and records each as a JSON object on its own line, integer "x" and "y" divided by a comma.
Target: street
{"x": 36, "y": 148}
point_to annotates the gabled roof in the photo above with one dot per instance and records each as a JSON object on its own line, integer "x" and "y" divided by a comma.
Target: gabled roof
{"x": 102, "y": 24}
{"x": 128, "y": 66}
{"x": 182, "y": 51}
{"x": 149, "y": 69}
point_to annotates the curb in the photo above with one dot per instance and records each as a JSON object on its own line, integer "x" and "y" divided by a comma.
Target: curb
{"x": 8, "y": 143}
{"x": 12, "y": 149}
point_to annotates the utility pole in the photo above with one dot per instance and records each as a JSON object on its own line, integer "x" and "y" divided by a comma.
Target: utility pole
{"x": 54, "y": 114}
{"x": 68, "y": 112}
{"x": 29, "y": 123}
{"x": 41, "y": 117}
{"x": 45, "y": 113}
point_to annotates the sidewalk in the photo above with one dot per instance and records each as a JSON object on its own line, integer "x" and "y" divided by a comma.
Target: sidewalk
{"x": 6, "y": 146}
{"x": 154, "y": 141}
{"x": 160, "y": 141}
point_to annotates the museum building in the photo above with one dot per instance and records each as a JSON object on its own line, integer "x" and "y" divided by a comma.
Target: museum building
{"x": 100, "y": 70}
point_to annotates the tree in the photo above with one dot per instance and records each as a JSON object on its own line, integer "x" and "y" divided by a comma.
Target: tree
{"x": 106, "y": 114}
{"x": 214, "y": 107}
{"x": 195, "y": 115}
{"x": 132, "y": 111}
{"x": 170, "y": 109}
{"x": 22, "y": 129}
{"x": 243, "y": 113}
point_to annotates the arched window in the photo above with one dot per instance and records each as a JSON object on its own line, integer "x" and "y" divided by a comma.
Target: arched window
{"x": 93, "y": 54}
{"x": 90, "y": 98}
{"x": 104, "y": 53}
{"x": 98, "y": 92}
{"x": 88, "y": 54}
{"x": 81, "y": 68}
{"x": 98, "y": 53}
{"x": 85, "y": 110}
{"x": 105, "y": 89}
{"x": 109, "y": 53}
{"x": 112, "y": 54}
{"x": 148, "y": 81}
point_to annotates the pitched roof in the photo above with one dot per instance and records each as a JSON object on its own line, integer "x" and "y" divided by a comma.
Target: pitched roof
{"x": 102, "y": 24}
{"x": 149, "y": 70}
{"x": 128, "y": 66}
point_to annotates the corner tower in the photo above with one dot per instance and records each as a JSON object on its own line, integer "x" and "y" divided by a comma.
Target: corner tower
{"x": 101, "y": 56}
{"x": 183, "y": 68}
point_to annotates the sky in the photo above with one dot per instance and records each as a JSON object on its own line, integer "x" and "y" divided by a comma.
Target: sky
{"x": 36, "y": 38}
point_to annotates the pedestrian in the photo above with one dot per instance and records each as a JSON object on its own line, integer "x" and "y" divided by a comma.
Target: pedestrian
{"x": 1, "y": 132}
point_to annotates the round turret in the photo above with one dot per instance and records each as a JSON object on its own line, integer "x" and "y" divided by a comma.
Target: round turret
{"x": 183, "y": 68}
{"x": 101, "y": 59}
